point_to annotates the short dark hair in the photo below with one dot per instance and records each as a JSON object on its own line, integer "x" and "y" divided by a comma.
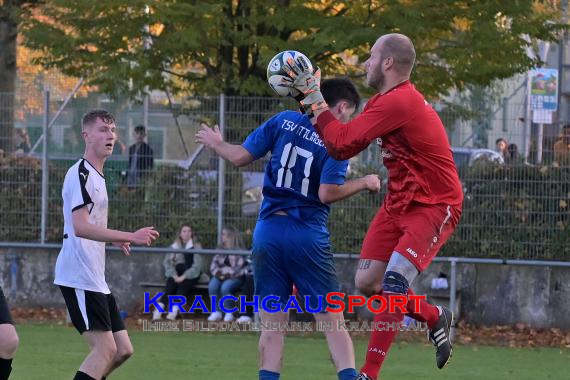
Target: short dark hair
{"x": 337, "y": 89}
{"x": 499, "y": 140}
{"x": 92, "y": 116}
{"x": 566, "y": 126}
{"x": 140, "y": 128}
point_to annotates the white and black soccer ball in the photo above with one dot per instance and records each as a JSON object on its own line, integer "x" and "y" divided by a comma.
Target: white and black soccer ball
{"x": 278, "y": 78}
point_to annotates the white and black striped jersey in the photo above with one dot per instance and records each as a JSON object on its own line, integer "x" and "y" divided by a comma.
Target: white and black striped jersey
{"x": 81, "y": 262}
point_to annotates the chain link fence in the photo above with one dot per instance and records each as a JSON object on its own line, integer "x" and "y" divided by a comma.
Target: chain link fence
{"x": 516, "y": 204}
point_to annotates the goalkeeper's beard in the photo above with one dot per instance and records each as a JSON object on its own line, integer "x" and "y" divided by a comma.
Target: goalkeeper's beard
{"x": 377, "y": 80}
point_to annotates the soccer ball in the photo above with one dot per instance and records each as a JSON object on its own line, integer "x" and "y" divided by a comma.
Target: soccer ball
{"x": 277, "y": 77}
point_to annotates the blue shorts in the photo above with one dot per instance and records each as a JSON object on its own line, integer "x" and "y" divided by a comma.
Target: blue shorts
{"x": 287, "y": 251}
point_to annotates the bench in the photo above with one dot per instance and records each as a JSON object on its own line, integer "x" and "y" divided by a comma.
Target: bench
{"x": 148, "y": 284}
{"x": 198, "y": 289}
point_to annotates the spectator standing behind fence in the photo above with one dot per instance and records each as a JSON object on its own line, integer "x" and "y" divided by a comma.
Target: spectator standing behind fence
{"x": 141, "y": 158}
{"x": 182, "y": 270}
{"x": 228, "y": 273}
{"x": 22, "y": 141}
{"x": 562, "y": 147}
{"x": 513, "y": 156}
{"x": 501, "y": 147}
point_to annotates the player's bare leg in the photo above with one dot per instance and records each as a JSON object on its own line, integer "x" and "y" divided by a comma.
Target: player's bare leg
{"x": 369, "y": 276}
{"x": 8, "y": 341}
{"x": 8, "y": 345}
{"x": 124, "y": 350}
{"x": 103, "y": 351}
{"x": 271, "y": 342}
{"x": 338, "y": 340}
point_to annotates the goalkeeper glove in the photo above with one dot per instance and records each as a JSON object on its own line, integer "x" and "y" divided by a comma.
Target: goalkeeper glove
{"x": 307, "y": 83}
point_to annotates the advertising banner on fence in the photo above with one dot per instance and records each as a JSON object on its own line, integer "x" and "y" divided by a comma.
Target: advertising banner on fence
{"x": 544, "y": 89}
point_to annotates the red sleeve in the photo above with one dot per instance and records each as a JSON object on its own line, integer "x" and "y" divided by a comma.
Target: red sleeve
{"x": 344, "y": 141}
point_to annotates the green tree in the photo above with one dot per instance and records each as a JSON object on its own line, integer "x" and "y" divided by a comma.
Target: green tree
{"x": 11, "y": 12}
{"x": 210, "y": 46}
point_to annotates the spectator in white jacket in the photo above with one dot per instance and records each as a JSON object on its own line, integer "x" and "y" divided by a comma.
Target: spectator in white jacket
{"x": 181, "y": 270}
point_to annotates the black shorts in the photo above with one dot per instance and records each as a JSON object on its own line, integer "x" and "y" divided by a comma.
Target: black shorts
{"x": 5, "y": 316}
{"x": 92, "y": 311}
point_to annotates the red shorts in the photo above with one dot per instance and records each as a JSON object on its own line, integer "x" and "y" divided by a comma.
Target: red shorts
{"x": 417, "y": 234}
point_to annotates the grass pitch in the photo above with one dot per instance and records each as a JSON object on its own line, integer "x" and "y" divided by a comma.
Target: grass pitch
{"x": 51, "y": 352}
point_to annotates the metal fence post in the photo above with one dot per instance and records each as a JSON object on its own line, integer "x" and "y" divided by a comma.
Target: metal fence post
{"x": 453, "y": 291}
{"x": 12, "y": 256}
{"x": 221, "y": 171}
{"x": 539, "y": 142}
{"x": 505, "y": 114}
{"x": 453, "y": 285}
{"x": 45, "y": 173}
{"x": 145, "y": 109}
{"x": 527, "y": 120}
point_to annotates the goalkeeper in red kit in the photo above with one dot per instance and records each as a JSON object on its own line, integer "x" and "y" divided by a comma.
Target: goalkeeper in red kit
{"x": 423, "y": 204}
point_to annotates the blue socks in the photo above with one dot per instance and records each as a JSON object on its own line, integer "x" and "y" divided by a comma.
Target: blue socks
{"x": 347, "y": 374}
{"x": 268, "y": 375}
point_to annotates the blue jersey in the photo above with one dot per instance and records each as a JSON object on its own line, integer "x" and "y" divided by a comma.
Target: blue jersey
{"x": 299, "y": 163}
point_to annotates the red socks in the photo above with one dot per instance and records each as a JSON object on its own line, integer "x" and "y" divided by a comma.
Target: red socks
{"x": 385, "y": 330}
{"x": 381, "y": 338}
{"x": 426, "y": 312}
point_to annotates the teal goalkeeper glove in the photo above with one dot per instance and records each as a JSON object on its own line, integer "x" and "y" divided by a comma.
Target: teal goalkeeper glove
{"x": 307, "y": 83}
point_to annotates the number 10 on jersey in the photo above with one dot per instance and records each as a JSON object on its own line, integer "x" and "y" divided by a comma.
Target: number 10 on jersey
{"x": 290, "y": 154}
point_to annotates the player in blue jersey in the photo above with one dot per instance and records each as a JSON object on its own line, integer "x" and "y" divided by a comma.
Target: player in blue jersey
{"x": 291, "y": 241}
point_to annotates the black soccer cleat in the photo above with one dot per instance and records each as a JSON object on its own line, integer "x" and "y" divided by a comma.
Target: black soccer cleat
{"x": 440, "y": 336}
{"x": 362, "y": 376}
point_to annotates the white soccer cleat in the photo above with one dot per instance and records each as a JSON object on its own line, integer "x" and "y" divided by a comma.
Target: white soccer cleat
{"x": 229, "y": 317}
{"x": 215, "y": 317}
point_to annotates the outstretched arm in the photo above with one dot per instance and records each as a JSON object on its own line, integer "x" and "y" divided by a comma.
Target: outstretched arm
{"x": 330, "y": 193}
{"x": 122, "y": 239}
{"x": 343, "y": 141}
{"x": 212, "y": 138}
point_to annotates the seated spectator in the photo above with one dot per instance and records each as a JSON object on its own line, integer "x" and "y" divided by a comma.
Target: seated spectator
{"x": 562, "y": 148}
{"x": 228, "y": 273}
{"x": 182, "y": 270}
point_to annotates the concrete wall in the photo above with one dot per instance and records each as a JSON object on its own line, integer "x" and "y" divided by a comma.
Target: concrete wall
{"x": 490, "y": 294}
{"x": 35, "y": 272}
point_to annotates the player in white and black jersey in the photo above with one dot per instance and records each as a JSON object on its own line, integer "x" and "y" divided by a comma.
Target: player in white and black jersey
{"x": 8, "y": 338}
{"x": 80, "y": 266}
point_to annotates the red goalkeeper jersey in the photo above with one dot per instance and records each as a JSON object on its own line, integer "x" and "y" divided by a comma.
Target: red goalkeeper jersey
{"x": 413, "y": 144}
